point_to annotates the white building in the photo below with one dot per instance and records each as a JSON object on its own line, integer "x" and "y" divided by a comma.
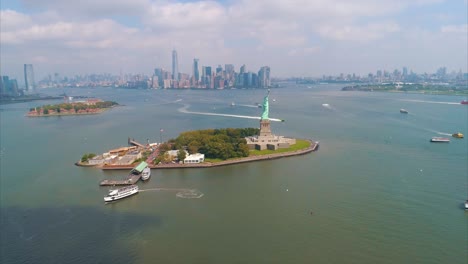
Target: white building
{"x": 195, "y": 158}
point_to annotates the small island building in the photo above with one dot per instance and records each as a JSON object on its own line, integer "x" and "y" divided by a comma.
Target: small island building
{"x": 189, "y": 158}
{"x": 266, "y": 139}
{"x": 194, "y": 158}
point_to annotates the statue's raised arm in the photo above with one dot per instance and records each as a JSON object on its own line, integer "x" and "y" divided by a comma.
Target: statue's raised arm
{"x": 265, "y": 107}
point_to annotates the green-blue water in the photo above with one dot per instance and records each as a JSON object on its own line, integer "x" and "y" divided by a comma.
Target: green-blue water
{"x": 377, "y": 191}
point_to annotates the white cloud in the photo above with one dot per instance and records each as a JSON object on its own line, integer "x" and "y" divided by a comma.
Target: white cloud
{"x": 359, "y": 33}
{"x": 201, "y": 16}
{"x": 90, "y": 8}
{"x": 455, "y": 29}
{"x": 12, "y": 20}
{"x": 308, "y": 34}
{"x": 100, "y": 34}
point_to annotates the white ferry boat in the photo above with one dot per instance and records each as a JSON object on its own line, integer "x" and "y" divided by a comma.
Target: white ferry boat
{"x": 146, "y": 173}
{"x": 440, "y": 139}
{"x": 121, "y": 193}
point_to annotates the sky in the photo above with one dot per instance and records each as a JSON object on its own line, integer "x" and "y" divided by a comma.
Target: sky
{"x": 296, "y": 38}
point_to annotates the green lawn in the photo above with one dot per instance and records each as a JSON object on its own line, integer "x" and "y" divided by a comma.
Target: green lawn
{"x": 300, "y": 144}
{"x": 213, "y": 160}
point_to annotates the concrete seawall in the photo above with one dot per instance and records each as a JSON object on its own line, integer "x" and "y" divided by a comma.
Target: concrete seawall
{"x": 313, "y": 147}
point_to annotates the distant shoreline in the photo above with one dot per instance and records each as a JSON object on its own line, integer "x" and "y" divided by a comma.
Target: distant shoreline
{"x": 411, "y": 89}
{"x": 13, "y": 100}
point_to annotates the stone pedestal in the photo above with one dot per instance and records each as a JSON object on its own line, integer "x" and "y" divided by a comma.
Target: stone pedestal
{"x": 265, "y": 130}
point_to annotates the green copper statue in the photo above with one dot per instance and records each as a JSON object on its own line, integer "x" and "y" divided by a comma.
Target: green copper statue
{"x": 265, "y": 107}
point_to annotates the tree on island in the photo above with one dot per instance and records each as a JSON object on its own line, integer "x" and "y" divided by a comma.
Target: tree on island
{"x": 75, "y": 106}
{"x": 87, "y": 157}
{"x": 222, "y": 144}
{"x": 181, "y": 155}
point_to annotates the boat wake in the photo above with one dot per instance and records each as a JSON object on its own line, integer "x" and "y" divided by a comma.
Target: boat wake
{"x": 184, "y": 110}
{"x": 440, "y": 133}
{"x": 181, "y": 192}
{"x": 251, "y": 106}
{"x": 429, "y": 102}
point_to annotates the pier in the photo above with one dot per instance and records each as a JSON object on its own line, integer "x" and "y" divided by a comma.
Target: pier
{"x": 131, "y": 179}
{"x": 131, "y": 141}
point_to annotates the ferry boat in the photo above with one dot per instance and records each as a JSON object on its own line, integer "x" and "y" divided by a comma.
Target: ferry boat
{"x": 120, "y": 193}
{"x": 464, "y": 102}
{"x": 146, "y": 173}
{"x": 457, "y": 135}
{"x": 403, "y": 111}
{"x": 440, "y": 139}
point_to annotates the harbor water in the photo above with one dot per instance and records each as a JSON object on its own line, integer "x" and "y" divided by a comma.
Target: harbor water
{"x": 377, "y": 190}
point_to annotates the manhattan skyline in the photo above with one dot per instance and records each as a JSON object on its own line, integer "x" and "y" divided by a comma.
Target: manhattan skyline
{"x": 297, "y": 38}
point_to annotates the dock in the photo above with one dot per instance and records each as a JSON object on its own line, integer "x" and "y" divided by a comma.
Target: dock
{"x": 131, "y": 179}
{"x": 133, "y": 142}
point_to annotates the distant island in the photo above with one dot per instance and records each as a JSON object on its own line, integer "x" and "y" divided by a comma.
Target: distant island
{"x": 87, "y": 107}
{"x": 398, "y": 87}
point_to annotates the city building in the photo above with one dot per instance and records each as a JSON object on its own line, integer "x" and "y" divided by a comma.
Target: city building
{"x": 29, "y": 78}
{"x": 196, "y": 72}
{"x": 264, "y": 77}
{"x": 175, "y": 66}
{"x": 8, "y": 86}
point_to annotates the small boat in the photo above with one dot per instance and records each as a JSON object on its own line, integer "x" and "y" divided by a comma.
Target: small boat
{"x": 466, "y": 205}
{"x": 146, "y": 173}
{"x": 457, "y": 135}
{"x": 403, "y": 111}
{"x": 440, "y": 139}
{"x": 120, "y": 193}
{"x": 464, "y": 102}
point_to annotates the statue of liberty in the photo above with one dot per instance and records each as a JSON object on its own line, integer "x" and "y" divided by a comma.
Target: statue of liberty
{"x": 265, "y": 107}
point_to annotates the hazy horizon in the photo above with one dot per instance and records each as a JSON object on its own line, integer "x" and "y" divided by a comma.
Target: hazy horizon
{"x": 307, "y": 38}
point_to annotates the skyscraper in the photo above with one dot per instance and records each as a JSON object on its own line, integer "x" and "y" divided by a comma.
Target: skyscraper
{"x": 219, "y": 70}
{"x": 175, "y": 66}
{"x": 264, "y": 77}
{"x": 196, "y": 72}
{"x": 29, "y": 77}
